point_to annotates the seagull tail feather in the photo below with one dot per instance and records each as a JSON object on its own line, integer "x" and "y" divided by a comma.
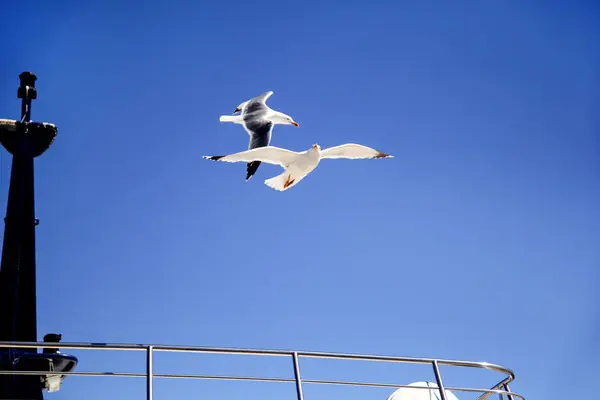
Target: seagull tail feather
{"x": 231, "y": 118}
{"x": 284, "y": 181}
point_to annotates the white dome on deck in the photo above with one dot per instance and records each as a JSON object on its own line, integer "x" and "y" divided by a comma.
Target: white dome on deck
{"x": 421, "y": 394}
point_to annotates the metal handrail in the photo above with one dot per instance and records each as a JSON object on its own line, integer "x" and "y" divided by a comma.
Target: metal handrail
{"x": 501, "y": 387}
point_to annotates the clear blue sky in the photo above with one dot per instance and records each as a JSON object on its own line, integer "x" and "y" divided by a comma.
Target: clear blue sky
{"x": 479, "y": 240}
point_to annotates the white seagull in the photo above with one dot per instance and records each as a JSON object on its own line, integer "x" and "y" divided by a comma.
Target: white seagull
{"x": 258, "y": 120}
{"x": 297, "y": 165}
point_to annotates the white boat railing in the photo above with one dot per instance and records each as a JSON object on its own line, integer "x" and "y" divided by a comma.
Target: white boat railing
{"x": 501, "y": 389}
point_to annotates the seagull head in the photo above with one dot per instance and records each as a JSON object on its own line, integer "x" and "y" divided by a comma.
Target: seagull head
{"x": 283, "y": 119}
{"x": 316, "y": 147}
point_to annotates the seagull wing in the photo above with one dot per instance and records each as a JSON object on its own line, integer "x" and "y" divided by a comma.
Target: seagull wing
{"x": 258, "y": 128}
{"x": 353, "y": 151}
{"x": 269, "y": 154}
{"x": 263, "y": 97}
{"x": 260, "y": 136}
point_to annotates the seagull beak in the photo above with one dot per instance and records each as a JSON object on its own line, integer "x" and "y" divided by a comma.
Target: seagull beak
{"x": 237, "y": 110}
{"x": 295, "y": 123}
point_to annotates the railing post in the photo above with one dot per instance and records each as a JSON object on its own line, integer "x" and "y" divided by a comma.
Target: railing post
{"x": 297, "y": 376}
{"x": 149, "y": 393}
{"x": 507, "y": 388}
{"x": 438, "y": 378}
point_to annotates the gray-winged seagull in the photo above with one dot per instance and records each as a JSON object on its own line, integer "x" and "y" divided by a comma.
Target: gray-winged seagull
{"x": 258, "y": 120}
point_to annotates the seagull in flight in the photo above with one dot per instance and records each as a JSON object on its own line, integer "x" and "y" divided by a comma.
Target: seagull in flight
{"x": 297, "y": 165}
{"x": 258, "y": 120}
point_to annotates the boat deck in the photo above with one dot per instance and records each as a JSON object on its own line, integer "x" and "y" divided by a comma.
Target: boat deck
{"x": 501, "y": 389}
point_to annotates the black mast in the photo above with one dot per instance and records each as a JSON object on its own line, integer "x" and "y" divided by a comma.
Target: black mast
{"x": 18, "y": 319}
{"x": 25, "y": 140}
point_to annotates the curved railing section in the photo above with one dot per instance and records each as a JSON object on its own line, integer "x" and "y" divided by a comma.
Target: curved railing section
{"x": 501, "y": 389}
